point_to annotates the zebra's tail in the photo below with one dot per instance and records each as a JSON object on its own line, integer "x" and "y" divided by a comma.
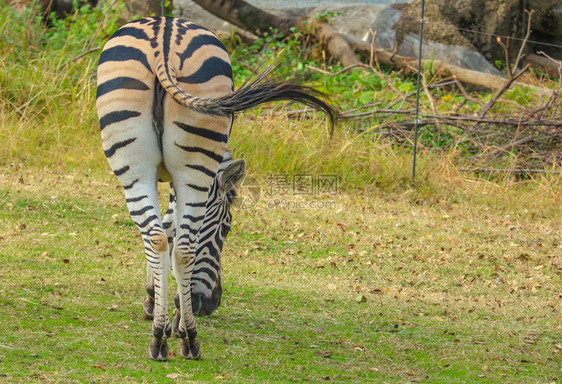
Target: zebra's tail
{"x": 260, "y": 90}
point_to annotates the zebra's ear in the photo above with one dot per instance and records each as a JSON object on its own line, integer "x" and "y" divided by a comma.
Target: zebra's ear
{"x": 232, "y": 175}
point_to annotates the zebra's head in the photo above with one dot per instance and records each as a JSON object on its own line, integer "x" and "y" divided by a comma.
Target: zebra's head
{"x": 206, "y": 289}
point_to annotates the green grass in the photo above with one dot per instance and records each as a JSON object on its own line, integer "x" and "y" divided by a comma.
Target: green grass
{"x": 455, "y": 291}
{"x": 452, "y": 279}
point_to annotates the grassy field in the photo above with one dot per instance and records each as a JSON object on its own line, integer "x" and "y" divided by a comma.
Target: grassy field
{"x": 453, "y": 279}
{"x": 373, "y": 288}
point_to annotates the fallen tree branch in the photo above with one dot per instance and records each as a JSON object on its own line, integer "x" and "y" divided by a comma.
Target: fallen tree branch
{"x": 549, "y": 65}
{"x": 246, "y": 16}
{"x": 550, "y": 103}
{"x": 465, "y": 94}
{"x": 515, "y": 143}
{"x": 334, "y": 42}
{"x": 505, "y": 170}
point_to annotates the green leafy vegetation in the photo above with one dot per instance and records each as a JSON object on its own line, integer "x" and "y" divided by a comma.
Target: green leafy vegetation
{"x": 454, "y": 278}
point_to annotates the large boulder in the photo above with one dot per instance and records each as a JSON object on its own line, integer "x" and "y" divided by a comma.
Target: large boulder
{"x": 475, "y": 24}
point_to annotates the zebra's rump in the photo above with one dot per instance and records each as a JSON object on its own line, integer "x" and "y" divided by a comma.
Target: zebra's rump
{"x": 148, "y": 58}
{"x": 148, "y": 63}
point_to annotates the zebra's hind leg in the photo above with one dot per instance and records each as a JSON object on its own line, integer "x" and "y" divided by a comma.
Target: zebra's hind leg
{"x": 169, "y": 228}
{"x": 189, "y": 217}
{"x": 142, "y": 202}
{"x": 136, "y": 169}
{"x": 131, "y": 146}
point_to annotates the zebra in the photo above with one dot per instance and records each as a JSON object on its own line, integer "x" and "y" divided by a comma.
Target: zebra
{"x": 166, "y": 101}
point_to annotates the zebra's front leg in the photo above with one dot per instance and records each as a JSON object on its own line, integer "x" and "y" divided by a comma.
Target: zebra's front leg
{"x": 189, "y": 217}
{"x": 184, "y": 325}
{"x": 148, "y": 305}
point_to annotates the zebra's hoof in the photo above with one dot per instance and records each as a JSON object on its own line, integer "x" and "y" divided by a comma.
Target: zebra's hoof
{"x": 158, "y": 350}
{"x": 190, "y": 349}
{"x": 148, "y": 309}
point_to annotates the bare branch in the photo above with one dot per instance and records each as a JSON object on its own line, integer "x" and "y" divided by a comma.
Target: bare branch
{"x": 85, "y": 53}
{"x": 335, "y": 73}
{"x": 506, "y": 52}
{"x": 525, "y": 40}
{"x": 502, "y": 90}
{"x": 465, "y": 94}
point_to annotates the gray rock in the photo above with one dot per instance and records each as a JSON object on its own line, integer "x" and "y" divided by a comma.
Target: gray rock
{"x": 187, "y": 9}
{"x": 452, "y": 54}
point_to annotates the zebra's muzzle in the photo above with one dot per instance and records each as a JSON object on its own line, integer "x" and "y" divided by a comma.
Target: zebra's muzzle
{"x": 203, "y": 305}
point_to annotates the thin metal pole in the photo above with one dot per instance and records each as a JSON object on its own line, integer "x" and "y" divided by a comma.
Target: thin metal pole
{"x": 524, "y": 30}
{"x": 163, "y": 9}
{"x": 418, "y": 93}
